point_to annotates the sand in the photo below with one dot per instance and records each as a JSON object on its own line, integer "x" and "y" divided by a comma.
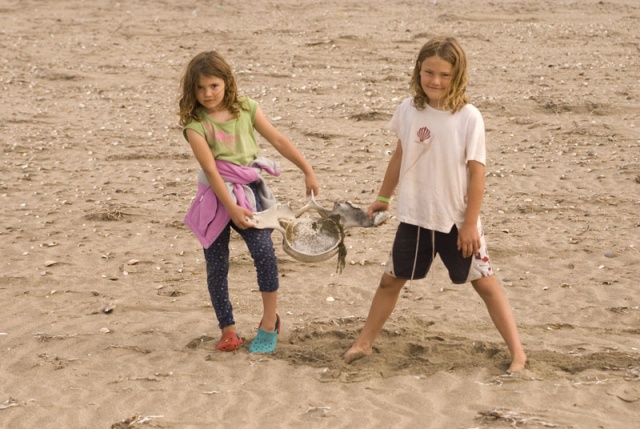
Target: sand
{"x": 105, "y": 320}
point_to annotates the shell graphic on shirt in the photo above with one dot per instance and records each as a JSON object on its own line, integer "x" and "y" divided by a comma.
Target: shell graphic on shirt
{"x": 423, "y": 134}
{"x": 423, "y": 143}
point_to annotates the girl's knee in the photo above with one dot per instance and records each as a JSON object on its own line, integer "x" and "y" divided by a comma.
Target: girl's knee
{"x": 487, "y": 286}
{"x": 389, "y": 283}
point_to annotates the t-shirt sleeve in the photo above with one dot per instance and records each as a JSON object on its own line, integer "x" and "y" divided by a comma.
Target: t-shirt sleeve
{"x": 394, "y": 123}
{"x": 252, "y": 106}
{"x": 195, "y": 126}
{"x": 476, "y": 149}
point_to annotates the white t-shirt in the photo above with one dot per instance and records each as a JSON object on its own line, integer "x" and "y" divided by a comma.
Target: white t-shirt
{"x": 436, "y": 146}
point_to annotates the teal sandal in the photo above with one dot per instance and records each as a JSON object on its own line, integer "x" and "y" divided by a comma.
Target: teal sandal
{"x": 265, "y": 342}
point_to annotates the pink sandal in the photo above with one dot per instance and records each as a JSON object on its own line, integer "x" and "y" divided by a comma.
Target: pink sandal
{"x": 229, "y": 342}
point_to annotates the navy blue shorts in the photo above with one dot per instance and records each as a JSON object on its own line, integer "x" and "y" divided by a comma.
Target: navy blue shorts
{"x": 414, "y": 249}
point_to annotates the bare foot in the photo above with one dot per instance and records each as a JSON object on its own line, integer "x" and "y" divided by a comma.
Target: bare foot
{"x": 517, "y": 364}
{"x": 355, "y": 353}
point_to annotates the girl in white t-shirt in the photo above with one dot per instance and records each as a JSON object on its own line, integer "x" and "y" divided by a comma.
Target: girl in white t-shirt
{"x": 438, "y": 167}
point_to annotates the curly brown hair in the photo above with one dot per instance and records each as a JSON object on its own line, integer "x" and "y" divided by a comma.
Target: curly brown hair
{"x": 209, "y": 63}
{"x": 449, "y": 50}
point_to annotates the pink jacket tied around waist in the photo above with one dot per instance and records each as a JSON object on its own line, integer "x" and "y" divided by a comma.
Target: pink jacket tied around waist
{"x": 207, "y": 217}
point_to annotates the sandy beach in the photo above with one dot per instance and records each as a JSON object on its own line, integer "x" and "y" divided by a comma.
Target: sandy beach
{"x": 105, "y": 318}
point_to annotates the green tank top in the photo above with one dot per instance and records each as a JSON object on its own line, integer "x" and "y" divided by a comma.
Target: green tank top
{"x": 232, "y": 141}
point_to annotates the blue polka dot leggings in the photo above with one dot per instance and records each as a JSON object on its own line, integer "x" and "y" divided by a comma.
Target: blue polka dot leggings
{"x": 216, "y": 256}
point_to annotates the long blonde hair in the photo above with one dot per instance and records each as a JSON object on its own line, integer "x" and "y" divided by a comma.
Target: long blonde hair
{"x": 449, "y": 50}
{"x": 209, "y": 63}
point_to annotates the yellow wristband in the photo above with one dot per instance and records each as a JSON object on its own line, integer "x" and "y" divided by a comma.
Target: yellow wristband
{"x": 383, "y": 199}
